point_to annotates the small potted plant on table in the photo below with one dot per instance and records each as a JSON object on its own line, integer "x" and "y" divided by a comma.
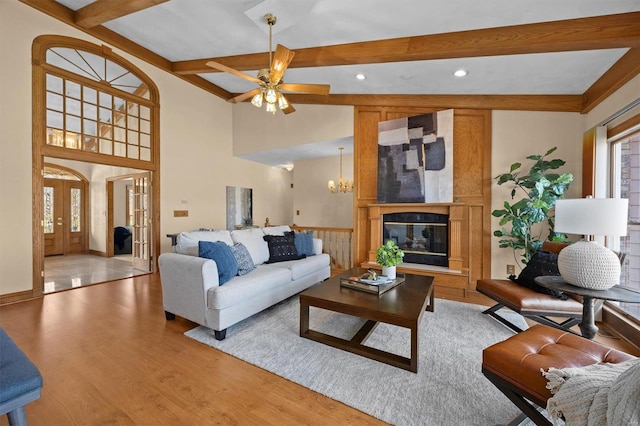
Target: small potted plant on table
{"x": 389, "y": 255}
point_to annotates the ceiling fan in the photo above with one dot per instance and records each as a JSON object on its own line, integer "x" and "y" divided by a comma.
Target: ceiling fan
{"x": 270, "y": 80}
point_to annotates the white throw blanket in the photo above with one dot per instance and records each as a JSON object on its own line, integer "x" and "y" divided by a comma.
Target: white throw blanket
{"x": 599, "y": 394}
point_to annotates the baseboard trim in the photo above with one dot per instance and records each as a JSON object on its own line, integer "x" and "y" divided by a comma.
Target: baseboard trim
{"x": 20, "y": 296}
{"x": 98, "y": 253}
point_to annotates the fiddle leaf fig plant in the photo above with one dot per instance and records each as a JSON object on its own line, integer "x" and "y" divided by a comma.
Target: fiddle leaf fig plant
{"x": 540, "y": 187}
{"x": 389, "y": 254}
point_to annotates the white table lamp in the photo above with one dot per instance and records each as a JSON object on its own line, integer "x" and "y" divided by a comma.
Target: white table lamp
{"x": 586, "y": 263}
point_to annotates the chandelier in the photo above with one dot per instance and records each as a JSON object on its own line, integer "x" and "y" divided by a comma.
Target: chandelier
{"x": 343, "y": 185}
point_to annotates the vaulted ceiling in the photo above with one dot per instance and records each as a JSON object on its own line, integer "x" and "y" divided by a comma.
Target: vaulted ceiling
{"x": 529, "y": 54}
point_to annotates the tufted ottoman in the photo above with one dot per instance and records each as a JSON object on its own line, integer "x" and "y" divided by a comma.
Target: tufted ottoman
{"x": 513, "y": 365}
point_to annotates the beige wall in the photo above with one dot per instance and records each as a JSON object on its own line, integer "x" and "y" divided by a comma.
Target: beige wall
{"x": 516, "y": 135}
{"x": 255, "y": 131}
{"x": 196, "y": 150}
{"x": 318, "y": 206}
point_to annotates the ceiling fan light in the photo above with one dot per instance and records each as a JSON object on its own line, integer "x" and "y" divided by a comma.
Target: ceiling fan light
{"x": 271, "y": 96}
{"x": 257, "y": 100}
{"x": 271, "y": 107}
{"x": 282, "y": 102}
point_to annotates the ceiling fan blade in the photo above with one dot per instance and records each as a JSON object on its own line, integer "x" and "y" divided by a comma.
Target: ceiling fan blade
{"x": 244, "y": 96}
{"x": 221, "y": 67}
{"x": 281, "y": 60}
{"x": 289, "y": 109}
{"x": 315, "y": 89}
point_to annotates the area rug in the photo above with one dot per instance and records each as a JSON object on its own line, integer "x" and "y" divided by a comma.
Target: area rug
{"x": 449, "y": 388}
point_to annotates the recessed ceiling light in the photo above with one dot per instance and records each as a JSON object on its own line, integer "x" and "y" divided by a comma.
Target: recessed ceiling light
{"x": 361, "y": 76}
{"x": 460, "y": 73}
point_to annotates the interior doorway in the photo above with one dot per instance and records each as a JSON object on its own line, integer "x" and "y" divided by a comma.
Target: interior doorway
{"x": 65, "y": 211}
{"x": 129, "y": 213}
{"x": 113, "y": 197}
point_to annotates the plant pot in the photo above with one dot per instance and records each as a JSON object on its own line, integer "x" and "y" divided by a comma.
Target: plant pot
{"x": 389, "y": 272}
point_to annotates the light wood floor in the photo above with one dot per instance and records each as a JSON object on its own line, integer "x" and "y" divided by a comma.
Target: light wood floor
{"x": 108, "y": 356}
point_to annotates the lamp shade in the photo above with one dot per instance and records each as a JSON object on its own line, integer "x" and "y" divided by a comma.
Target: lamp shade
{"x": 586, "y": 263}
{"x": 592, "y": 216}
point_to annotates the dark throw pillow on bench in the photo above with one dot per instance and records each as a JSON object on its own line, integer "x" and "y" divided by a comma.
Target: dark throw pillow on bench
{"x": 542, "y": 263}
{"x": 282, "y": 248}
{"x": 220, "y": 253}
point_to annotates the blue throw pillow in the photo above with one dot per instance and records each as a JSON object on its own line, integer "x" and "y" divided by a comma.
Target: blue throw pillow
{"x": 304, "y": 242}
{"x": 245, "y": 262}
{"x": 220, "y": 253}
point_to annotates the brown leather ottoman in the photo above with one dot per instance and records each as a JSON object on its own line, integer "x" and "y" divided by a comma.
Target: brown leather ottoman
{"x": 513, "y": 365}
{"x": 528, "y": 303}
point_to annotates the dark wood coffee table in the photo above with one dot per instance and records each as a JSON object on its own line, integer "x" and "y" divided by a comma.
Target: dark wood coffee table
{"x": 403, "y": 306}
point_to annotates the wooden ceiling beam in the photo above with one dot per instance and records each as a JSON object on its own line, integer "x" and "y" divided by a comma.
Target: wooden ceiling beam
{"x": 564, "y": 103}
{"x": 101, "y": 11}
{"x": 599, "y": 32}
{"x": 617, "y": 76}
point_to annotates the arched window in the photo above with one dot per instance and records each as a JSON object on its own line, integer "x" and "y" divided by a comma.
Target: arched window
{"x": 95, "y": 102}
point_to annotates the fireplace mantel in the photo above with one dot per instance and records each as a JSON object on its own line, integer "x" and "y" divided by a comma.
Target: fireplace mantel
{"x": 457, "y": 213}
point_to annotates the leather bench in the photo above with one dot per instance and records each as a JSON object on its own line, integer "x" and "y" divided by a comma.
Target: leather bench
{"x": 539, "y": 307}
{"x": 513, "y": 365}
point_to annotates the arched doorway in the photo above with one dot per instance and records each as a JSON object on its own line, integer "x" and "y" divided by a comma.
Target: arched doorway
{"x": 90, "y": 105}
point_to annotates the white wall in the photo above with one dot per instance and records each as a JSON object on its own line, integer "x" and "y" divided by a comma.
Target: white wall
{"x": 254, "y": 130}
{"x": 196, "y": 150}
{"x": 120, "y": 202}
{"x": 518, "y": 134}
{"x": 311, "y": 197}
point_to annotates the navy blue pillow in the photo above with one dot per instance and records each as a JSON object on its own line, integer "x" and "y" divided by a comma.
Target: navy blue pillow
{"x": 304, "y": 242}
{"x": 222, "y": 255}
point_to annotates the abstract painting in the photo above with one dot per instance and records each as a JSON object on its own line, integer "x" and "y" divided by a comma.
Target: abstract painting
{"x": 415, "y": 159}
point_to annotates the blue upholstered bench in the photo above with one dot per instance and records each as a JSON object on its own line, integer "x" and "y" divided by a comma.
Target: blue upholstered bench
{"x": 20, "y": 381}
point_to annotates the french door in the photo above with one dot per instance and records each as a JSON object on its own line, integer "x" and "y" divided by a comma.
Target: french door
{"x": 64, "y": 222}
{"x": 141, "y": 239}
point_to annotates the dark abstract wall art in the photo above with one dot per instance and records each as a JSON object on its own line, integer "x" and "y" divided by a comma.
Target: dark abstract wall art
{"x": 415, "y": 159}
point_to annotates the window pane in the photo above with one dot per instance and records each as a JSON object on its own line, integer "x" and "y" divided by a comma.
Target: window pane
{"x": 145, "y": 154}
{"x": 73, "y": 124}
{"x": 75, "y": 209}
{"x": 119, "y": 134}
{"x": 119, "y": 149}
{"x": 132, "y": 137}
{"x": 90, "y": 128}
{"x": 54, "y": 84}
{"x": 133, "y": 151}
{"x": 73, "y": 106}
{"x": 48, "y": 210}
{"x": 105, "y": 100}
{"x": 54, "y": 101}
{"x": 132, "y": 108}
{"x": 145, "y": 113}
{"x": 626, "y": 178}
{"x": 106, "y": 147}
{"x": 90, "y": 143}
{"x": 105, "y": 115}
{"x": 90, "y": 95}
{"x": 54, "y": 119}
{"x": 72, "y": 89}
{"x": 145, "y": 140}
{"x": 55, "y": 137}
{"x": 132, "y": 123}
{"x": 90, "y": 111}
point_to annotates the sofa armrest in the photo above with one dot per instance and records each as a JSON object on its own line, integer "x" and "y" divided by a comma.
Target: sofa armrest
{"x": 185, "y": 281}
{"x": 317, "y": 246}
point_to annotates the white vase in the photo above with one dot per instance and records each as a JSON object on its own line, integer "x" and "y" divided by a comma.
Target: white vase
{"x": 389, "y": 272}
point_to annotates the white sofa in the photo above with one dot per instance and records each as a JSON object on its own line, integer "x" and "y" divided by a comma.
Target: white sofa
{"x": 191, "y": 289}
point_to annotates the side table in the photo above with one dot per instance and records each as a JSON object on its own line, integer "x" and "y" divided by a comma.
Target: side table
{"x": 588, "y": 326}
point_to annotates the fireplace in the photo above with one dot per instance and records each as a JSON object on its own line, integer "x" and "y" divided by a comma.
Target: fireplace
{"x": 422, "y": 236}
